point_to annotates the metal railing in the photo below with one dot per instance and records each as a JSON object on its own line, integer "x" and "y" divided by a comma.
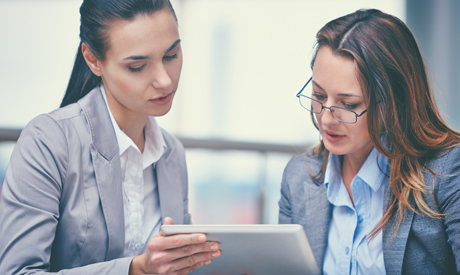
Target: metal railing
{"x": 264, "y": 149}
{"x": 208, "y": 144}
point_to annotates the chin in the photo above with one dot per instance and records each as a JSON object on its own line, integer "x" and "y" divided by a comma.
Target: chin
{"x": 158, "y": 112}
{"x": 336, "y": 150}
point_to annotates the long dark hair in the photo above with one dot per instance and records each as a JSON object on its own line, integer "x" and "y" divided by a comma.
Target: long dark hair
{"x": 400, "y": 103}
{"x": 96, "y": 19}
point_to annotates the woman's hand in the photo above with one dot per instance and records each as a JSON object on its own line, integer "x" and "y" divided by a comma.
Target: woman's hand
{"x": 179, "y": 254}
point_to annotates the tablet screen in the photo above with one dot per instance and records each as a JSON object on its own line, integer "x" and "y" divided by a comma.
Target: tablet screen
{"x": 254, "y": 249}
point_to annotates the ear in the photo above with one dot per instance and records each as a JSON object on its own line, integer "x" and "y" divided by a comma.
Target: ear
{"x": 93, "y": 63}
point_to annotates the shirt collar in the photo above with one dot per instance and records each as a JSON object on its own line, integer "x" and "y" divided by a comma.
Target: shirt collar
{"x": 372, "y": 172}
{"x": 155, "y": 144}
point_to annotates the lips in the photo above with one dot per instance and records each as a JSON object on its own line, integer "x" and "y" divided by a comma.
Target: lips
{"x": 162, "y": 100}
{"x": 333, "y": 137}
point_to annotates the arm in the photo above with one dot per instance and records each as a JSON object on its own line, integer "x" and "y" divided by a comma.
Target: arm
{"x": 448, "y": 201}
{"x": 31, "y": 201}
{"x": 285, "y": 213}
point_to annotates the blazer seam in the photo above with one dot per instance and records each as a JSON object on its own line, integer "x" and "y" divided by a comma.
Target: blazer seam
{"x": 64, "y": 176}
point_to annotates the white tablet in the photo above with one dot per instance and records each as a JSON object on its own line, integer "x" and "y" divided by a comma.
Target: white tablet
{"x": 260, "y": 249}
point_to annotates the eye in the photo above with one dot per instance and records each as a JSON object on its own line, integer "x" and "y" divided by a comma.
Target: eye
{"x": 350, "y": 106}
{"x": 318, "y": 97}
{"x": 137, "y": 69}
{"x": 170, "y": 57}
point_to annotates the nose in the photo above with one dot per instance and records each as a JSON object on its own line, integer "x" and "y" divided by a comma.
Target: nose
{"x": 327, "y": 118}
{"x": 161, "y": 77}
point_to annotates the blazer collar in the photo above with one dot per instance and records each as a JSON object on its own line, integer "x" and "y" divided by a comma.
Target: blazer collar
{"x": 107, "y": 169}
{"x": 102, "y": 133}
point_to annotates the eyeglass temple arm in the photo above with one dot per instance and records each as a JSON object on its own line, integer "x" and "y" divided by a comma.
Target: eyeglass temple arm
{"x": 304, "y": 86}
{"x": 361, "y": 113}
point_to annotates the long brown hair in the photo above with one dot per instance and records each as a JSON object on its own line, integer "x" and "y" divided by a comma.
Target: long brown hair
{"x": 400, "y": 101}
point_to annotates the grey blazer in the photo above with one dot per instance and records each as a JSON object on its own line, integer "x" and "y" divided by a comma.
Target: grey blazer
{"x": 422, "y": 245}
{"x": 62, "y": 207}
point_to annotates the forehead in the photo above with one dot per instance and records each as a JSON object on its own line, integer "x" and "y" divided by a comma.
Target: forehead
{"x": 336, "y": 74}
{"x": 144, "y": 35}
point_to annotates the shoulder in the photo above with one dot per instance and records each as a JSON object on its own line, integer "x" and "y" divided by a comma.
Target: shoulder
{"x": 446, "y": 161}
{"x": 446, "y": 180}
{"x": 300, "y": 166}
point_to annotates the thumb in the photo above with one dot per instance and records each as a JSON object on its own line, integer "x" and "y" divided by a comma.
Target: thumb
{"x": 168, "y": 221}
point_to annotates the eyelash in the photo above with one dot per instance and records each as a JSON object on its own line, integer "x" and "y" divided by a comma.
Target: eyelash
{"x": 136, "y": 70}
{"x": 318, "y": 96}
{"x": 170, "y": 57}
{"x": 348, "y": 106}
{"x": 167, "y": 58}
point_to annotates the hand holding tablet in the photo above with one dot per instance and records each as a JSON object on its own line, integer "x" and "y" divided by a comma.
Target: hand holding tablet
{"x": 179, "y": 254}
{"x": 254, "y": 249}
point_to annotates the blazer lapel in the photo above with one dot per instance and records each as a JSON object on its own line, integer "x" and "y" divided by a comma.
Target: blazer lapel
{"x": 318, "y": 216}
{"x": 107, "y": 168}
{"x": 394, "y": 244}
{"x": 169, "y": 188}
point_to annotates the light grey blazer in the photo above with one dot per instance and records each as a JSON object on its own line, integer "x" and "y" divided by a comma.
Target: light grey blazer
{"x": 422, "y": 245}
{"x": 62, "y": 206}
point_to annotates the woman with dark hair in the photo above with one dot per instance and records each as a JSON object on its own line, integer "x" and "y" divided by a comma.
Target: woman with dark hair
{"x": 89, "y": 185}
{"x": 380, "y": 193}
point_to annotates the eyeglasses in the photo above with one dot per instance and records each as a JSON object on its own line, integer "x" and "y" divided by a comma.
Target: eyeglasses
{"x": 339, "y": 113}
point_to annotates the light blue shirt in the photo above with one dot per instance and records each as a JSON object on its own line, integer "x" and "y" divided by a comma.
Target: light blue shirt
{"x": 348, "y": 250}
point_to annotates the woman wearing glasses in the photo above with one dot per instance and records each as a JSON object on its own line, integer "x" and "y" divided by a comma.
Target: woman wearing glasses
{"x": 380, "y": 193}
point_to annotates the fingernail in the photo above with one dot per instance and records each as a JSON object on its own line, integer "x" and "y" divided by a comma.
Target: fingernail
{"x": 215, "y": 254}
{"x": 207, "y": 262}
{"x": 214, "y": 246}
{"x": 202, "y": 238}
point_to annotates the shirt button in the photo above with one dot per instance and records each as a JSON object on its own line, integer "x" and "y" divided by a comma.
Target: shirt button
{"x": 347, "y": 250}
{"x": 360, "y": 219}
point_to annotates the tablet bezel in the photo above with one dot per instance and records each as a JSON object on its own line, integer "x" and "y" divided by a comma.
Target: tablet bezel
{"x": 290, "y": 248}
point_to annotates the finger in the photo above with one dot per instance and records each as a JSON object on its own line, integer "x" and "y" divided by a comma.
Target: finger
{"x": 176, "y": 241}
{"x": 196, "y": 259}
{"x": 167, "y": 221}
{"x": 192, "y": 249}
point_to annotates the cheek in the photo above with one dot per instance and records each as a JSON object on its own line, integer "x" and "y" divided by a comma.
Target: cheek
{"x": 362, "y": 130}
{"x": 174, "y": 69}
{"x": 318, "y": 119}
{"x": 130, "y": 83}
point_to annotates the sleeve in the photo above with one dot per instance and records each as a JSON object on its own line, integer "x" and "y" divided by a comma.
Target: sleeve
{"x": 30, "y": 203}
{"x": 285, "y": 213}
{"x": 449, "y": 201}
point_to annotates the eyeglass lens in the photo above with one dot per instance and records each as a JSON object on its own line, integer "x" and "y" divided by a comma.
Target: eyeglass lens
{"x": 314, "y": 106}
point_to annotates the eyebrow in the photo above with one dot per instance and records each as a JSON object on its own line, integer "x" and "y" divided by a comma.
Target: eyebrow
{"x": 340, "y": 94}
{"x": 140, "y": 57}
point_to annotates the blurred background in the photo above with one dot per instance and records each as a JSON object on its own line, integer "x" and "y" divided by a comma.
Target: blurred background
{"x": 236, "y": 110}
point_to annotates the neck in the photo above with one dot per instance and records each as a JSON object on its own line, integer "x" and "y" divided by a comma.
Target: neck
{"x": 131, "y": 123}
{"x": 351, "y": 164}
{"x": 133, "y": 129}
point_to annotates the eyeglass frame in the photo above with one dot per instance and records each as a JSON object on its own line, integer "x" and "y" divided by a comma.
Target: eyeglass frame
{"x": 324, "y": 107}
